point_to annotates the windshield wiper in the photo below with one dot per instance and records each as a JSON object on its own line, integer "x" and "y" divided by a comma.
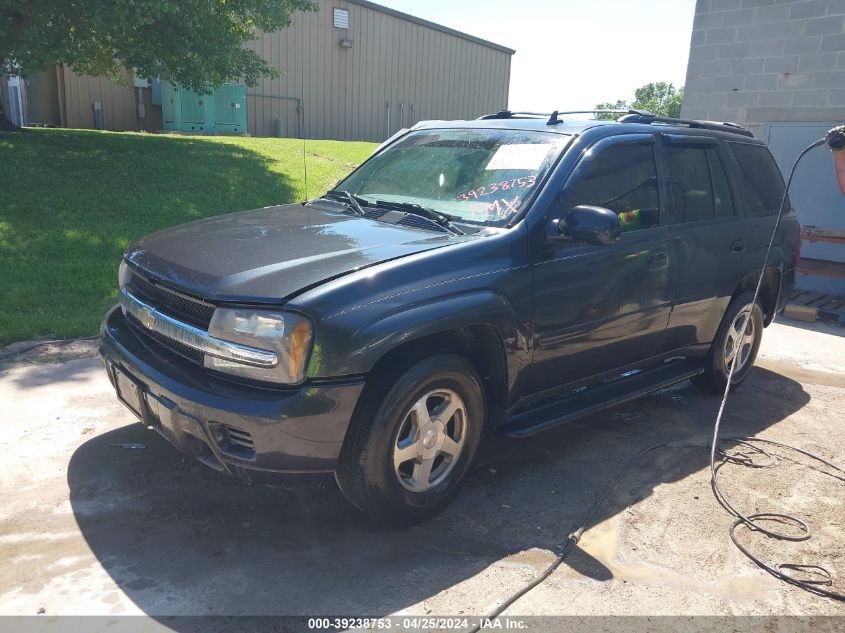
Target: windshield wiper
{"x": 352, "y": 201}
{"x": 441, "y": 219}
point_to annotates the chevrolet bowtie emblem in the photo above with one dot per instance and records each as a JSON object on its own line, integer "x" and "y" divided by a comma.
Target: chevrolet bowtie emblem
{"x": 147, "y": 317}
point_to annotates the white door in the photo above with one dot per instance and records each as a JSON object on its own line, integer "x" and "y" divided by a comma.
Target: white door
{"x": 15, "y": 103}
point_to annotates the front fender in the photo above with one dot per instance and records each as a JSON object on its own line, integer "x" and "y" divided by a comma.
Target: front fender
{"x": 357, "y": 352}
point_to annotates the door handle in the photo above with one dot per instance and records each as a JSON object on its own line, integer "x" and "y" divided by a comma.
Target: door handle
{"x": 658, "y": 261}
{"x": 737, "y": 246}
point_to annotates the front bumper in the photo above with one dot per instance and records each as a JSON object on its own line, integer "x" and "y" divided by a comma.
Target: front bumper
{"x": 229, "y": 426}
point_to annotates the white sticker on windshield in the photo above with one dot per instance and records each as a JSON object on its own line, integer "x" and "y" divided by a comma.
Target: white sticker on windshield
{"x": 522, "y": 156}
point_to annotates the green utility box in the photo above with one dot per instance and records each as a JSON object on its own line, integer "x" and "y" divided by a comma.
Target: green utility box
{"x": 222, "y": 112}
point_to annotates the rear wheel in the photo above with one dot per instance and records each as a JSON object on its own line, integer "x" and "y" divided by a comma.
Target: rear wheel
{"x": 412, "y": 440}
{"x": 738, "y": 341}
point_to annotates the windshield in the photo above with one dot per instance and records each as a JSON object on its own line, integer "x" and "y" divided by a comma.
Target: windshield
{"x": 478, "y": 176}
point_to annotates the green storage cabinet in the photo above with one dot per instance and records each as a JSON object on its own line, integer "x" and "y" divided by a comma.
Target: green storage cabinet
{"x": 222, "y": 112}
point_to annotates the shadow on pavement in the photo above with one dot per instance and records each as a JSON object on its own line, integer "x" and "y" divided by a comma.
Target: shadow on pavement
{"x": 179, "y": 538}
{"x": 56, "y": 374}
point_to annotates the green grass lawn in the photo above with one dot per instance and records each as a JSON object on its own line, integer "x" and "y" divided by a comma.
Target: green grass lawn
{"x": 71, "y": 201}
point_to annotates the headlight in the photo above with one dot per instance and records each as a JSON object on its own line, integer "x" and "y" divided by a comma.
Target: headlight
{"x": 287, "y": 334}
{"x": 122, "y": 273}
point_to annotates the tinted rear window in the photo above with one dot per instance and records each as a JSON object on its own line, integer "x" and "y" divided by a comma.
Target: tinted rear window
{"x": 761, "y": 176}
{"x": 721, "y": 190}
{"x": 691, "y": 183}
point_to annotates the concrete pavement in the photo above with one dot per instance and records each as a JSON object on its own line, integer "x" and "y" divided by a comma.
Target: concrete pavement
{"x": 90, "y": 528}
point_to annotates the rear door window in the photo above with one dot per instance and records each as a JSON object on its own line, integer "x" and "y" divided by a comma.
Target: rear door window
{"x": 623, "y": 178}
{"x": 691, "y": 186}
{"x": 763, "y": 183}
{"x": 722, "y": 199}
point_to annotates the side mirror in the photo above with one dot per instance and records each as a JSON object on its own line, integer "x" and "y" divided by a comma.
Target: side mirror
{"x": 593, "y": 225}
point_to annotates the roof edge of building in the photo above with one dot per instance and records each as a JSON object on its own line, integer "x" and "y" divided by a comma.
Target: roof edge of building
{"x": 432, "y": 25}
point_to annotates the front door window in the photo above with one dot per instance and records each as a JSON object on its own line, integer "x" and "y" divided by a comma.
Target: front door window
{"x": 622, "y": 178}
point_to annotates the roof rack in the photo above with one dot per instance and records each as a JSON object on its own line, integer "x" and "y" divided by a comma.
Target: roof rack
{"x": 636, "y": 116}
{"x": 508, "y": 114}
{"x": 554, "y": 120}
{"x": 553, "y": 117}
{"x": 629, "y": 116}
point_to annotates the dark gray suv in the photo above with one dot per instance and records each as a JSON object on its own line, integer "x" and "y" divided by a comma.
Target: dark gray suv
{"x": 506, "y": 274}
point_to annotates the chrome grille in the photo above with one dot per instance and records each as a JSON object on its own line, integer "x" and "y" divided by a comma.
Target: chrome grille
{"x": 168, "y": 344}
{"x": 176, "y": 304}
{"x": 183, "y": 333}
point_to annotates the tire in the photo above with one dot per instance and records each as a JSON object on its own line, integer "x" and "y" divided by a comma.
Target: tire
{"x": 390, "y": 442}
{"x": 716, "y": 366}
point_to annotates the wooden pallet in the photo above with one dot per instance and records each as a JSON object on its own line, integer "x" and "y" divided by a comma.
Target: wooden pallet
{"x": 815, "y": 234}
{"x": 825, "y": 268}
{"x": 804, "y": 305}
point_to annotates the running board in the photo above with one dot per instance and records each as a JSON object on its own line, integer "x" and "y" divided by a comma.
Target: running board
{"x": 597, "y": 398}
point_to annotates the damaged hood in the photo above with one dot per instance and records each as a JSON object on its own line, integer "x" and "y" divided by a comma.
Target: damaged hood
{"x": 270, "y": 254}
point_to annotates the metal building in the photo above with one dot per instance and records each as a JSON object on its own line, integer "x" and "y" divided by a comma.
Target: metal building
{"x": 353, "y": 70}
{"x": 779, "y": 69}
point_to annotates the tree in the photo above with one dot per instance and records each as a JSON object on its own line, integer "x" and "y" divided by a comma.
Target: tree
{"x": 196, "y": 43}
{"x": 611, "y": 116}
{"x": 659, "y": 98}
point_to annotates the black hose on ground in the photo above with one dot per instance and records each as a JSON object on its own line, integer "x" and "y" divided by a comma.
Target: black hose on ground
{"x": 817, "y": 577}
{"x": 755, "y": 521}
{"x": 752, "y": 522}
{"x": 29, "y": 348}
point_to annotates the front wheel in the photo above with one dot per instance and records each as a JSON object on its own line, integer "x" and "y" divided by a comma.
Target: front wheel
{"x": 412, "y": 440}
{"x": 737, "y": 341}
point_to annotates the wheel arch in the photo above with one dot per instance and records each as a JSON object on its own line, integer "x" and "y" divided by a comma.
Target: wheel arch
{"x": 480, "y": 343}
{"x": 480, "y": 326}
{"x": 769, "y": 290}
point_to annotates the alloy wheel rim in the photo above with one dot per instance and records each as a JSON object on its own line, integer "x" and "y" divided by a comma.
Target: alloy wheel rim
{"x": 739, "y": 340}
{"x": 430, "y": 441}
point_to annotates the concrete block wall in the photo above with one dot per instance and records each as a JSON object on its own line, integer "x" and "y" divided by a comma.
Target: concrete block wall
{"x": 761, "y": 61}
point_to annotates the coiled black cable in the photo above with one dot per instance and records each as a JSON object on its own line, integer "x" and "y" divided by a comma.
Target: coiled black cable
{"x": 752, "y": 521}
{"x": 813, "y": 585}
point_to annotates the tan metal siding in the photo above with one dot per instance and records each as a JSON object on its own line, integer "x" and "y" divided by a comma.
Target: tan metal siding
{"x": 119, "y": 107}
{"x": 423, "y": 72}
